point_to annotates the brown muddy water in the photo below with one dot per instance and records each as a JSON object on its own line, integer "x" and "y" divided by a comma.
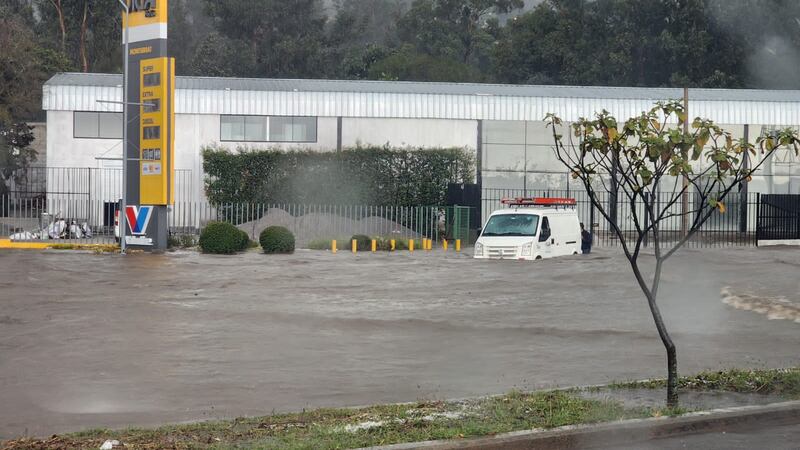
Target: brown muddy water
{"x": 110, "y": 341}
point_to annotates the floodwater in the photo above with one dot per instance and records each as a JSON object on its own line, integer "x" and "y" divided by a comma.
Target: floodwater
{"x": 112, "y": 341}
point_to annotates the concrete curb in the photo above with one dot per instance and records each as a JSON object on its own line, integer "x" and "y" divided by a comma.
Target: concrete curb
{"x": 8, "y": 244}
{"x": 620, "y": 433}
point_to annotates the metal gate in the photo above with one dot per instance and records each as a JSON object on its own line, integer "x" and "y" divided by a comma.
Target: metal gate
{"x": 778, "y": 218}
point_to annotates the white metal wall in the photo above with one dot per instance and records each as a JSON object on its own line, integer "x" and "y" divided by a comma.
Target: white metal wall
{"x": 415, "y": 105}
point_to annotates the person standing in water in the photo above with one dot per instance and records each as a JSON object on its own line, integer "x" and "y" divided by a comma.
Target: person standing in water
{"x": 586, "y": 241}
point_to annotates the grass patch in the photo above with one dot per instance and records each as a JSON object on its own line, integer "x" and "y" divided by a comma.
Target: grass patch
{"x": 783, "y": 382}
{"x": 390, "y": 424}
{"x": 97, "y": 248}
{"x": 344, "y": 244}
{"x": 353, "y": 428}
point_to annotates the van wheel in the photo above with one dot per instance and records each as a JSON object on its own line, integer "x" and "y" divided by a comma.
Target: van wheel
{"x": 538, "y": 257}
{"x": 574, "y": 253}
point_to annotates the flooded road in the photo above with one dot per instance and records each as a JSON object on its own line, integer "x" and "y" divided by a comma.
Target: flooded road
{"x": 109, "y": 341}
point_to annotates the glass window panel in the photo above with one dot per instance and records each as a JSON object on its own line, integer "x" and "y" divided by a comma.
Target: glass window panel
{"x": 86, "y": 125}
{"x": 280, "y": 129}
{"x": 538, "y": 133}
{"x": 503, "y": 132}
{"x": 304, "y": 129}
{"x": 231, "y": 128}
{"x": 542, "y": 158}
{"x": 110, "y": 125}
{"x": 504, "y": 157}
{"x": 503, "y": 180}
{"x": 255, "y": 128}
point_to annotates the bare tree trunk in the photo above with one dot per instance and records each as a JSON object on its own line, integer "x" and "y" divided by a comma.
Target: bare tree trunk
{"x": 84, "y": 26}
{"x": 61, "y": 23}
{"x": 672, "y": 358}
{"x": 666, "y": 339}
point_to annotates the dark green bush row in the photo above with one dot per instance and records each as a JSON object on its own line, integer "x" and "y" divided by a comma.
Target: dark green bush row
{"x": 373, "y": 175}
{"x": 277, "y": 240}
{"x": 383, "y": 244}
{"x": 223, "y": 238}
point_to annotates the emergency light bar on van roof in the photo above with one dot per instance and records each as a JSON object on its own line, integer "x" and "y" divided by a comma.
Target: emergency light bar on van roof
{"x": 539, "y": 201}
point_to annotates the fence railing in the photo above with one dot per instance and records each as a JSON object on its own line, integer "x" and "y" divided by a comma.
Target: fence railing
{"x": 85, "y": 183}
{"x": 33, "y": 219}
{"x": 737, "y": 226}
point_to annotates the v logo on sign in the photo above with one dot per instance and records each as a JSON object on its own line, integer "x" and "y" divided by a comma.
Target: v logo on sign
{"x": 138, "y": 218}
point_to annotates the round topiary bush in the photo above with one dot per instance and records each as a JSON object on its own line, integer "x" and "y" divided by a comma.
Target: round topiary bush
{"x": 277, "y": 240}
{"x": 245, "y": 240}
{"x": 364, "y": 241}
{"x": 221, "y": 238}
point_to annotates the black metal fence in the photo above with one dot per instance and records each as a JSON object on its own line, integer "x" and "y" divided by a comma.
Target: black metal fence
{"x": 736, "y": 226}
{"x": 778, "y": 217}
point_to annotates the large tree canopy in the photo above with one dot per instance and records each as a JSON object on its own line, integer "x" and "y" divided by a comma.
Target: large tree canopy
{"x": 695, "y": 43}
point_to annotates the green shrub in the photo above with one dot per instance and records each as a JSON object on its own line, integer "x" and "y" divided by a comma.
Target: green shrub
{"x": 244, "y": 242}
{"x": 325, "y": 243}
{"x": 378, "y": 176}
{"x": 385, "y": 244}
{"x": 364, "y": 242}
{"x": 220, "y": 238}
{"x": 173, "y": 241}
{"x": 187, "y": 240}
{"x": 277, "y": 240}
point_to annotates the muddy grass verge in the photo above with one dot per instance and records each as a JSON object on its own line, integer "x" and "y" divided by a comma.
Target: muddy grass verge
{"x": 390, "y": 424}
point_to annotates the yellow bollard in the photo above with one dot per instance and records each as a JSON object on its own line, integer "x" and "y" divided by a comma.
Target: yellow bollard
{"x": 458, "y": 245}
{"x": 430, "y": 244}
{"x": 411, "y": 245}
{"x": 444, "y": 244}
{"x": 374, "y": 246}
{"x": 355, "y": 245}
{"x": 393, "y": 243}
{"x": 333, "y": 246}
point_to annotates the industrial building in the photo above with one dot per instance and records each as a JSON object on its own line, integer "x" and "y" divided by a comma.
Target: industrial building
{"x": 502, "y": 124}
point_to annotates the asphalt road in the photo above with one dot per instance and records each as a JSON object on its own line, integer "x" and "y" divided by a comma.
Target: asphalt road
{"x": 110, "y": 341}
{"x": 778, "y": 437}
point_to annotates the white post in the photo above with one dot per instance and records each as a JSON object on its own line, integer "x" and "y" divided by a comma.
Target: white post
{"x": 123, "y": 206}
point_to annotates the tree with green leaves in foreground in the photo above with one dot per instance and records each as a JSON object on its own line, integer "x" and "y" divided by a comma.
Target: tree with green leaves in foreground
{"x": 652, "y": 165}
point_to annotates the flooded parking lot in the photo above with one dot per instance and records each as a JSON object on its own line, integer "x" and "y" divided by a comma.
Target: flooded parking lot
{"x": 110, "y": 341}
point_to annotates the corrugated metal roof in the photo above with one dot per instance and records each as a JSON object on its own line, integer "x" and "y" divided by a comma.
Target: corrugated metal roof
{"x": 410, "y": 87}
{"x": 202, "y": 95}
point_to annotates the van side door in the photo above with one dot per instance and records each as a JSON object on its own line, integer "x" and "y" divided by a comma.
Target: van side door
{"x": 545, "y": 243}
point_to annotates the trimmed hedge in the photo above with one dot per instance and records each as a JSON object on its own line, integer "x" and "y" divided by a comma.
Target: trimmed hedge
{"x": 244, "y": 240}
{"x": 221, "y": 238}
{"x": 364, "y": 242}
{"x": 277, "y": 239}
{"x": 364, "y": 175}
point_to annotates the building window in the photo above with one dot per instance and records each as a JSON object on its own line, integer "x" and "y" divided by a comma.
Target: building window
{"x": 97, "y": 125}
{"x": 268, "y": 129}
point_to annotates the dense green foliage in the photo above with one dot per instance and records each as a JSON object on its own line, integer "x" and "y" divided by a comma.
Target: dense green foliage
{"x": 695, "y": 43}
{"x": 363, "y": 241}
{"x": 277, "y": 239}
{"x": 222, "y": 238}
{"x": 383, "y": 244}
{"x": 711, "y": 43}
{"x": 374, "y": 176}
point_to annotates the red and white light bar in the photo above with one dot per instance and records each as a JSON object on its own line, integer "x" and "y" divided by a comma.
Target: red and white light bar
{"x": 539, "y": 201}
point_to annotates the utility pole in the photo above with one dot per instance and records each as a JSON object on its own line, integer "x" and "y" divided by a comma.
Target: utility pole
{"x": 685, "y": 196}
{"x": 124, "y": 202}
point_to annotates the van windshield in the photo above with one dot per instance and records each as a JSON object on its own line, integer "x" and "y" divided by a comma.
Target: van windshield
{"x": 511, "y": 225}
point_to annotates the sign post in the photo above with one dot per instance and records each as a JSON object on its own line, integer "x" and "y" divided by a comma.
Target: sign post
{"x": 149, "y": 155}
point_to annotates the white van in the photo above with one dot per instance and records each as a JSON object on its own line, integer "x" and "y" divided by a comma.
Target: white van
{"x": 531, "y": 228}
